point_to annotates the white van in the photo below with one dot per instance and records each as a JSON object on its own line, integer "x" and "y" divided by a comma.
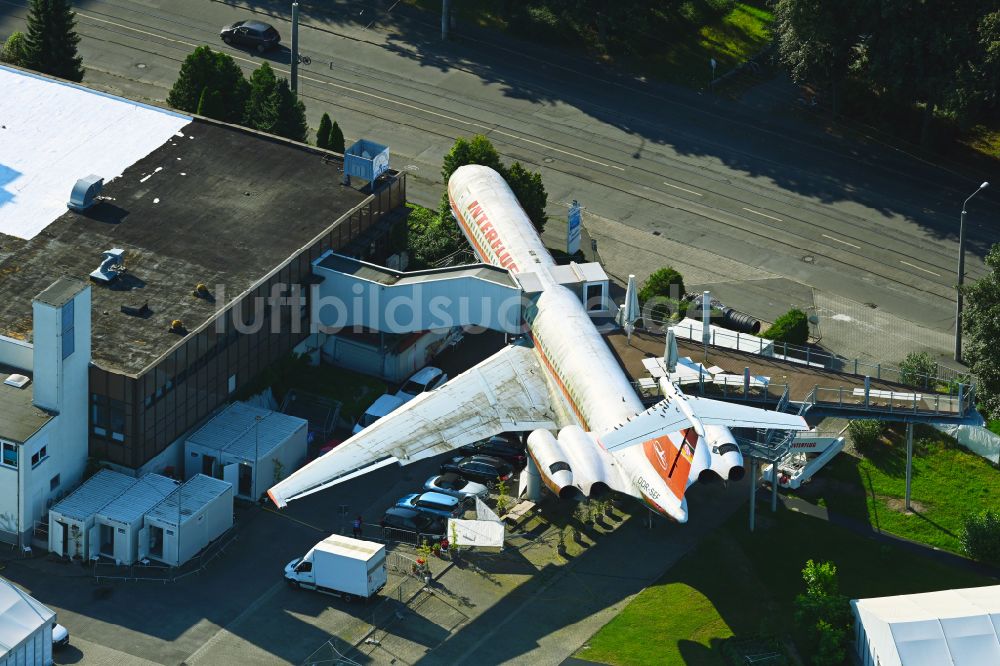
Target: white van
{"x": 342, "y": 566}
{"x": 383, "y": 405}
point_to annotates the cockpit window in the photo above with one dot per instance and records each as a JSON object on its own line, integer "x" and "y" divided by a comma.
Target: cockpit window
{"x": 559, "y": 467}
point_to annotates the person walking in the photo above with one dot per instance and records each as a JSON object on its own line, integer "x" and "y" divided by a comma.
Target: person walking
{"x": 356, "y": 527}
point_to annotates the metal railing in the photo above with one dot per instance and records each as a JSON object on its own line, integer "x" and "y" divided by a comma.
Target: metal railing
{"x": 815, "y": 358}
{"x": 162, "y": 573}
{"x": 957, "y": 404}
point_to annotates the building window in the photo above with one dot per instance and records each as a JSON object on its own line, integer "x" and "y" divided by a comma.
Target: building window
{"x": 107, "y": 416}
{"x": 10, "y": 455}
{"x": 54, "y": 483}
{"x": 68, "y": 330}
{"x": 232, "y": 384}
{"x": 39, "y": 455}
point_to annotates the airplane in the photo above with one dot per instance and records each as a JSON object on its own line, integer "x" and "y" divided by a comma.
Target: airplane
{"x": 560, "y": 376}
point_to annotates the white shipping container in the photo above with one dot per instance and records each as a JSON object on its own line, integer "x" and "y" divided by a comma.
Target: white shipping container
{"x": 71, "y": 521}
{"x": 190, "y": 518}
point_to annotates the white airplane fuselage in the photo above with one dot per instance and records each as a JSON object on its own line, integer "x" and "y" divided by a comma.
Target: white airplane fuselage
{"x": 581, "y": 369}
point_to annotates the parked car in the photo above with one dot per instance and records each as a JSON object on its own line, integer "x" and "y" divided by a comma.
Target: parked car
{"x": 255, "y": 34}
{"x": 384, "y": 404}
{"x": 435, "y": 504}
{"x": 422, "y": 381}
{"x": 482, "y": 469}
{"x": 414, "y": 521}
{"x": 60, "y": 636}
{"x": 454, "y": 484}
{"x": 498, "y": 447}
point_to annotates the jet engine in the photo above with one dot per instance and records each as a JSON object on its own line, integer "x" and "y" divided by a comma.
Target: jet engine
{"x": 552, "y": 462}
{"x": 727, "y": 460}
{"x": 589, "y": 461}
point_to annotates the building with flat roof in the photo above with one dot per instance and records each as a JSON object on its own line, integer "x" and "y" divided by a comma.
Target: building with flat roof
{"x": 185, "y": 202}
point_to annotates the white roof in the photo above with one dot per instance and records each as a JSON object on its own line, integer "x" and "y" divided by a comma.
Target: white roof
{"x": 56, "y": 133}
{"x": 146, "y": 493}
{"x": 959, "y": 627}
{"x": 197, "y": 492}
{"x": 237, "y": 431}
{"x": 96, "y": 493}
{"x": 21, "y": 615}
{"x": 356, "y": 549}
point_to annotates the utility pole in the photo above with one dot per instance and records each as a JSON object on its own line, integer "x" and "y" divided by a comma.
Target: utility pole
{"x": 295, "y": 49}
{"x": 909, "y": 461}
{"x": 961, "y": 275}
{"x": 445, "y": 18}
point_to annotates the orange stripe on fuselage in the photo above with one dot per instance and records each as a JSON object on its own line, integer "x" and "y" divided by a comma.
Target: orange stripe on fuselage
{"x": 468, "y": 231}
{"x": 559, "y": 382}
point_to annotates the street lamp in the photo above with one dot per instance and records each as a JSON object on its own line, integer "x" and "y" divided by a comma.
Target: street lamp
{"x": 961, "y": 275}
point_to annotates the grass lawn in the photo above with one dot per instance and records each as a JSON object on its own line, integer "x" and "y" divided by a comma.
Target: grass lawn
{"x": 983, "y": 139}
{"x": 948, "y": 482}
{"x": 744, "y": 585}
{"x": 674, "y": 44}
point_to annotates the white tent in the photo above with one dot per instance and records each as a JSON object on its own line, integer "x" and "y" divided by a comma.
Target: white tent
{"x": 954, "y": 627}
{"x": 485, "y": 532}
{"x": 25, "y": 628}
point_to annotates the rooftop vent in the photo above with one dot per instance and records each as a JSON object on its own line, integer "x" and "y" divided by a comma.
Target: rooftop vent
{"x": 17, "y": 381}
{"x": 141, "y": 311}
{"x": 85, "y": 193}
{"x": 111, "y": 267}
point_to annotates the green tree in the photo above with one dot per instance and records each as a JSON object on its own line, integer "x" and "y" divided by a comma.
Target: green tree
{"x": 527, "y": 187}
{"x": 918, "y": 370}
{"x": 336, "y": 139}
{"x": 822, "y": 613}
{"x": 291, "y": 112}
{"x": 791, "y": 327}
{"x": 865, "y": 434}
{"x": 477, "y": 150}
{"x": 323, "y": 133}
{"x": 205, "y": 68}
{"x": 817, "y": 40}
{"x": 50, "y": 46}
{"x": 14, "y": 49}
{"x": 210, "y": 104}
{"x": 430, "y": 238}
{"x": 981, "y": 327}
{"x": 261, "y": 112}
{"x": 981, "y": 536}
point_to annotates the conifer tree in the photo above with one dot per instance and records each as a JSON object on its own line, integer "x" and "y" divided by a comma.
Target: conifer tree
{"x": 336, "y": 139}
{"x": 51, "y": 41}
{"x": 261, "y": 112}
{"x": 217, "y": 72}
{"x": 210, "y": 104}
{"x": 323, "y": 133}
{"x": 291, "y": 113}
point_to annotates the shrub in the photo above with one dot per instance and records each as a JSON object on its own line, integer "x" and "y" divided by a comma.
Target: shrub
{"x": 865, "y": 433}
{"x": 337, "y": 139}
{"x": 665, "y": 282}
{"x": 823, "y": 613}
{"x": 917, "y": 370}
{"x": 14, "y": 49}
{"x": 791, "y": 327}
{"x": 323, "y": 133}
{"x": 981, "y": 536}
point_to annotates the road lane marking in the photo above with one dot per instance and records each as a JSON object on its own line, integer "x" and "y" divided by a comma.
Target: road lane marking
{"x": 919, "y": 268}
{"x": 697, "y": 194}
{"x": 757, "y": 212}
{"x": 856, "y": 247}
{"x": 405, "y": 105}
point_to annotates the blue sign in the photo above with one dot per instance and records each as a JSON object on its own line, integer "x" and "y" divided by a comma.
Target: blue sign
{"x": 366, "y": 159}
{"x": 573, "y": 229}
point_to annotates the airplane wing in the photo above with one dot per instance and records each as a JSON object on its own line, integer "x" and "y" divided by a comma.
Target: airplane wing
{"x": 506, "y": 392}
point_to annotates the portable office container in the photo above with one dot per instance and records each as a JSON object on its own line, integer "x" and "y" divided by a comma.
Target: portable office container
{"x": 198, "y": 512}
{"x": 117, "y": 525}
{"x": 250, "y": 447}
{"x": 71, "y": 521}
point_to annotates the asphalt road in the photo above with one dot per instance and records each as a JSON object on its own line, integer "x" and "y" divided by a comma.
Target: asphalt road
{"x": 741, "y": 195}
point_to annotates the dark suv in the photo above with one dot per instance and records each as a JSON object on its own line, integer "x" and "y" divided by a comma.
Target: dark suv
{"x": 254, "y": 34}
{"x": 414, "y": 521}
{"x": 483, "y": 469}
{"x": 498, "y": 447}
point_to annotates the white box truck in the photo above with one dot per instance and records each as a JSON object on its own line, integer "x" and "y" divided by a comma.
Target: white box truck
{"x": 339, "y": 565}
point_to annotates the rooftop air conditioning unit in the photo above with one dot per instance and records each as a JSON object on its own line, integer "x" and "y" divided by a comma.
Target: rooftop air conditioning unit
{"x": 85, "y": 193}
{"x": 111, "y": 267}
